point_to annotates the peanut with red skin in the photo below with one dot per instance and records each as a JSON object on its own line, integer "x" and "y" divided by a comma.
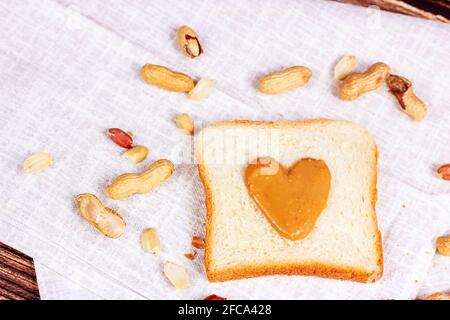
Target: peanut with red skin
{"x": 120, "y": 137}
{"x": 444, "y": 171}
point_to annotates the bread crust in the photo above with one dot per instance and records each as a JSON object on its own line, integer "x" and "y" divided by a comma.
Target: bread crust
{"x": 339, "y": 272}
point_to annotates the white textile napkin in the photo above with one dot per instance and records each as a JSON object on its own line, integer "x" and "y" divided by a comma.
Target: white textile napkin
{"x": 70, "y": 70}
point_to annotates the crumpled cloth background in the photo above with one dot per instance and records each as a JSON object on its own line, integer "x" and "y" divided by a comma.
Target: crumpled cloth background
{"x": 70, "y": 70}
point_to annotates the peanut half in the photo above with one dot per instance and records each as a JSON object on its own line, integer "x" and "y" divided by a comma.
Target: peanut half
{"x": 104, "y": 219}
{"x": 185, "y": 123}
{"x": 443, "y": 245}
{"x": 402, "y": 90}
{"x": 344, "y": 67}
{"x": 167, "y": 79}
{"x": 356, "y": 84}
{"x": 188, "y": 42}
{"x": 202, "y": 89}
{"x": 150, "y": 241}
{"x": 128, "y": 184}
{"x": 284, "y": 80}
{"x": 177, "y": 275}
{"x": 37, "y": 162}
{"x": 136, "y": 154}
{"x": 437, "y": 296}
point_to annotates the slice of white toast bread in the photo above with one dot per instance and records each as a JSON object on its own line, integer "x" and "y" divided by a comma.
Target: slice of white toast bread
{"x": 240, "y": 242}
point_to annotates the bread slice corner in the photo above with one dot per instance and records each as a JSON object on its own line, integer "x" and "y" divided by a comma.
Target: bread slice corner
{"x": 240, "y": 243}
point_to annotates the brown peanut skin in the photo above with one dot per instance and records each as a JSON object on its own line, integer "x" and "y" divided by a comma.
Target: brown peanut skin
{"x": 402, "y": 89}
{"x": 356, "y": 84}
{"x": 167, "y": 79}
{"x": 444, "y": 172}
{"x": 284, "y": 80}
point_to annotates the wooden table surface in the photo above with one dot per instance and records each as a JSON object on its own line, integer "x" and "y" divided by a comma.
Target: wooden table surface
{"x": 17, "y": 273}
{"x": 438, "y": 10}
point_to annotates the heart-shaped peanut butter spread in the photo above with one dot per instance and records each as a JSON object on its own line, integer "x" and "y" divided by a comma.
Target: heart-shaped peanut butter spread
{"x": 291, "y": 199}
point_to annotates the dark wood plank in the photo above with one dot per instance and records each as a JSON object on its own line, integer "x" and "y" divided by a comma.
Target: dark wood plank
{"x": 438, "y": 10}
{"x": 9, "y": 295}
{"x": 17, "y": 291}
{"x": 29, "y": 270}
{"x": 15, "y": 255}
{"x": 17, "y": 275}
